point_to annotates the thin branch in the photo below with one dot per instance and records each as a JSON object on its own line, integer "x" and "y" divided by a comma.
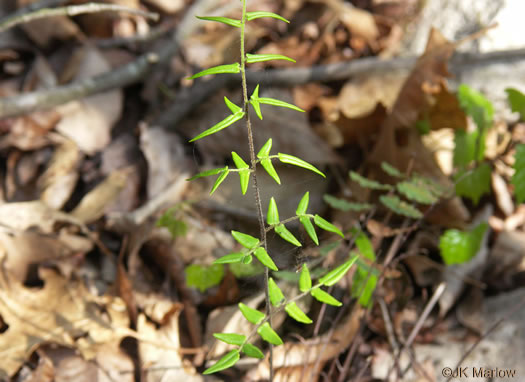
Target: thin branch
{"x": 73, "y": 10}
{"x": 125, "y": 75}
{"x": 319, "y": 73}
{"x": 30, "y": 8}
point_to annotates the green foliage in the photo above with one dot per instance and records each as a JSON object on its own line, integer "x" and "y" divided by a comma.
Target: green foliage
{"x": 253, "y": 58}
{"x": 368, "y": 183}
{"x": 290, "y": 159}
{"x": 240, "y": 263}
{"x": 225, "y": 362}
{"x": 365, "y": 278}
{"x": 203, "y": 277}
{"x": 258, "y": 14}
{"x": 240, "y": 269}
{"x": 474, "y": 183}
{"x": 477, "y": 106}
{"x": 417, "y": 190}
{"x": 296, "y": 313}
{"x": 468, "y": 147}
{"x": 400, "y": 207}
{"x": 391, "y": 170}
{"x": 337, "y": 274}
{"x": 169, "y": 220}
{"x": 225, "y": 20}
{"x": 458, "y": 247}
{"x": 221, "y": 69}
{"x": 518, "y": 179}
{"x": 276, "y": 295}
{"x": 516, "y": 101}
{"x": 345, "y": 206}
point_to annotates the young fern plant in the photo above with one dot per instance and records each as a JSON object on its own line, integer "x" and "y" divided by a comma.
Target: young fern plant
{"x": 258, "y": 246}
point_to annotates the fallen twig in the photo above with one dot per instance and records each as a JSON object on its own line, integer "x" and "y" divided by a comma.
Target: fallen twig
{"x": 72, "y": 10}
{"x": 125, "y": 75}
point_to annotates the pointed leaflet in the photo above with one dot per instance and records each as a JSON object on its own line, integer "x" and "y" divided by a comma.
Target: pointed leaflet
{"x": 276, "y": 102}
{"x": 230, "y": 120}
{"x": 272, "y": 217}
{"x": 230, "y": 69}
{"x": 303, "y": 204}
{"x": 252, "y": 351}
{"x": 258, "y": 14}
{"x": 219, "y": 180}
{"x": 518, "y": 179}
{"x": 343, "y": 205}
{"x": 416, "y": 190}
{"x": 225, "y": 20}
{"x": 275, "y": 293}
{"x": 368, "y": 183}
{"x": 236, "y": 257}
{"x": 244, "y": 175}
{"x": 254, "y": 100}
{"x": 335, "y": 275}
{"x": 252, "y": 315}
{"x": 225, "y": 362}
{"x": 265, "y": 259}
{"x": 214, "y": 171}
{"x": 268, "y": 166}
{"x": 322, "y": 296}
{"x": 290, "y": 159}
{"x": 327, "y": 226}
{"x": 400, "y": 207}
{"x": 263, "y": 154}
{"x": 305, "y": 281}
{"x": 230, "y": 338}
{"x": 282, "y": 231}
{"x": 391, "y": 170}
{"x": 296, "y": 313}
{"x": 251, "y": 58}
{"x": 233, "y": 107}
{"x": 269, "y": 335}
{"x": 310, "y": 230}
{"x": 245, "y": 240}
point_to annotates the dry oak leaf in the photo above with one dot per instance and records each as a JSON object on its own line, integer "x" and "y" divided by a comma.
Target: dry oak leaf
{"x": 62, "y": 312}
{"x": 400, "y": 144}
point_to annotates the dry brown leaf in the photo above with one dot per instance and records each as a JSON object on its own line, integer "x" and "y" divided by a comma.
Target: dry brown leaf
{"x": 88, "y": 122}
{"x": 93, "y": 205}
{"x": 400, "y": 144}
{"x": 165, "y": 155}
{"x": 62, "y": 312}
{"x": 58, "y": 181}
{"x": 163, "y": 364}
{"x": 29, "y": 132}
{"x": 359, "y": 21}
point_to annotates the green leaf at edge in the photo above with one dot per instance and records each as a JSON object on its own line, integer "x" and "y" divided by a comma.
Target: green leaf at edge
{"x": 303, "y": 204}
{"x": 518, "y": 178}
{"x": 269, "y": 335}
{"x": 219, "y": 180}
{"x": 265, "y": 258}
{"x": 252, "y": 58}
{"x": 275, "y": 293}
{"x": 230, "y": 338}
{"x": 245, "y": 240}
{"x": 235, "y": 257}
{"x": 252, "y": 351}
{"x": 258, "y": 14}
{"x": 202, "y": 174}
{"x": 296, "y": 313}
{"x": 290, "y": 159}
{"x": 252, "y": 315}
{"x": 305, "y": 281}
{"x": 221, "y": 69}
{"x": 268, "y": 166}
{"x": 225, "y": 362}
{"x": 225, "y": 20}
{"x": 285, "y": 234}
{"x": 273, "y": 214}
{"x": 229, "y": 120}
{"x": 310, "y": 230}
{"x": 327, "y": 226}
{"x": 322, "y": 296}
{"x": 336, "y": 274}
{"x": 276, "y": 102}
